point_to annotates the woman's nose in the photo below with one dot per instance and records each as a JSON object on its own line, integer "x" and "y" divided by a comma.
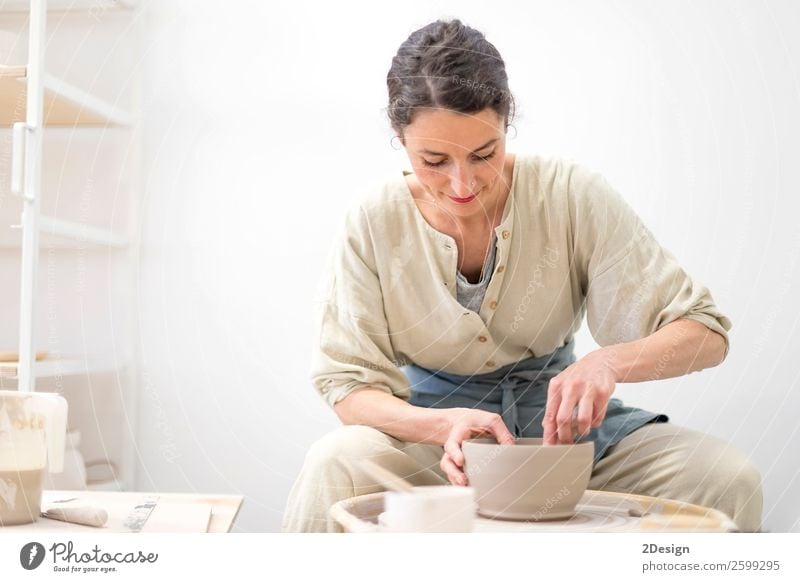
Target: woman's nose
{"x": 462, "y": 183}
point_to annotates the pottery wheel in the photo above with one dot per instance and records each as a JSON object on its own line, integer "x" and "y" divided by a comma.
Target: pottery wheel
{"x": 594, "y": 512}
{"x": 597, "y": 511}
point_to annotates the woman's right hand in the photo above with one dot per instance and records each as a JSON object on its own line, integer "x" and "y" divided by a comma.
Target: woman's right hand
{"x": 467, "y": 423}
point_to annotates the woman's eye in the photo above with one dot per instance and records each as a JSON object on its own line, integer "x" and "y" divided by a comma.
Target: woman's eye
{"x": 437, "y": 164}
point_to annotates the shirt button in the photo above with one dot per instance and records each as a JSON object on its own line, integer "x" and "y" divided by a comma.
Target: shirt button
{"x": 506, "y": 234}
{"x": 493, "y": 305}
{"x": 491, "y": 364}
{"x": 483, "y": 339}
{"x": 500, "y": 269}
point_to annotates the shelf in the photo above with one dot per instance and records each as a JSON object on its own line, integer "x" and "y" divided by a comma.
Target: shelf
{"x": 64, "y": 105}
{"x": 51, "y": 367}
{"x": 57, "y": 233}
{"x": 95, "y": 6}
{"x": 78, "y": 232}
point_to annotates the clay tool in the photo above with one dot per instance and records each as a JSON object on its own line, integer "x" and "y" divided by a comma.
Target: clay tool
{"x": 84, "y": 515}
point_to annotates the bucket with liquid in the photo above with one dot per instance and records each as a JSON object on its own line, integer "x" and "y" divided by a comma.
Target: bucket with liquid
{"x": 33, "y": 428}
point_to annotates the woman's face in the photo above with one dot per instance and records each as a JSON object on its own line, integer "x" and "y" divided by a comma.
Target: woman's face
{"x": 458, "y": 159}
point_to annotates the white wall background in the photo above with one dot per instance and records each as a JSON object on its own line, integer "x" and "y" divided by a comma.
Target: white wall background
{"x": 263, "y": 121}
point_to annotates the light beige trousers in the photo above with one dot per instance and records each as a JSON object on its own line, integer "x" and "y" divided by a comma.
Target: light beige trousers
{"x": 659, "y": 459}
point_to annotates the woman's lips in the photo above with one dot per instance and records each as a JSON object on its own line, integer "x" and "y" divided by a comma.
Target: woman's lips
{"x": 463, "y": 200}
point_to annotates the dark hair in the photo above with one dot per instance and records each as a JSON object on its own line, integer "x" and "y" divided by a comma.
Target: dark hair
{"x": 448, "y": 65}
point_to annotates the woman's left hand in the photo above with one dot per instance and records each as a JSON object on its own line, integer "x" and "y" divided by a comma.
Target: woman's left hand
{"x": 588, "y": 385}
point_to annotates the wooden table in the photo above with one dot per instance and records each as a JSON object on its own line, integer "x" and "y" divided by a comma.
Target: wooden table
{"x": 597, "y": 511}
{"x": 131, "y": 511}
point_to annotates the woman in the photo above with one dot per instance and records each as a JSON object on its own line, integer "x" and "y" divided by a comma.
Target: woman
{"x": 452, "y": 300}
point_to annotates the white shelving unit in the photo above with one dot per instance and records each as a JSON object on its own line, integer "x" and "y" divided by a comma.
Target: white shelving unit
{"x": 51, "y": 367}
{"x": 31, "y": 103}
{"x": 69, "y": 5}
{"x": 64, "y": 105}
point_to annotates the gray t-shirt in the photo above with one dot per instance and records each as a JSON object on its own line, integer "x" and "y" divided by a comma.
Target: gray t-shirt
{"x": 470, "y": 295}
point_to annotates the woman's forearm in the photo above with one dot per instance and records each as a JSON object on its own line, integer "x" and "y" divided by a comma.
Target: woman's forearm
{"x": 678, "y": 348}
{"x": 394, "y": 416}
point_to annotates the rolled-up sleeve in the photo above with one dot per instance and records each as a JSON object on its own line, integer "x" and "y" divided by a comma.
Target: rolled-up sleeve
{"x": 632, "y": 285}
{"x": 352, "y": 347}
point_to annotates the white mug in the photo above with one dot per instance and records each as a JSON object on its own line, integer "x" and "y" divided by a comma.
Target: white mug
{"x": 429, "y": 509}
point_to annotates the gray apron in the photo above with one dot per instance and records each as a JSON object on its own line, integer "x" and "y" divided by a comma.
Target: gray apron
{"x": 518, "y": 393}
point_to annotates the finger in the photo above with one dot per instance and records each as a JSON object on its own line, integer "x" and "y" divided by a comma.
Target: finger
{"x": 585, "y": 414}
{"x": 549, "y": 421}
{"x": 549, "y": 431}
{"x": 564, "y": 417}
{"x": 600, "y": 411}
{"x": 454, "y": 474}
{"x": 453, "y": 445}
{"x": 501, "y": 432}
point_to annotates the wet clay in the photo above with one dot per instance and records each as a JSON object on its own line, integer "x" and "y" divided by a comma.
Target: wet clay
{"x": 527, "y": 481}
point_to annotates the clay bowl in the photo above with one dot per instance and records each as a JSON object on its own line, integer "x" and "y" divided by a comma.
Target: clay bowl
{"x": 527, "y": 480}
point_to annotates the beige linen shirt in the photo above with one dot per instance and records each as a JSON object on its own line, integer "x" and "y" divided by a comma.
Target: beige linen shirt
{"x": 567, "y": 246}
